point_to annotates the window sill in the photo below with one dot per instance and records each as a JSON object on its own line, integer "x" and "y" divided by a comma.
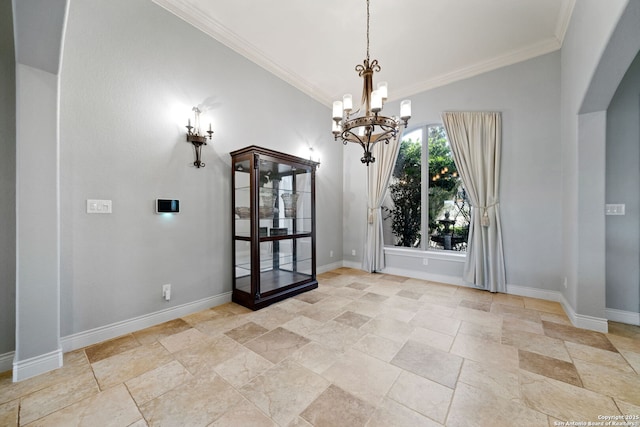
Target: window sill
{"x": 429, "y": 254}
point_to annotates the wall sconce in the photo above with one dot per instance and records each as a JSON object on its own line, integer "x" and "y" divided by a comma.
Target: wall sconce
{"x": 196, "y": 138}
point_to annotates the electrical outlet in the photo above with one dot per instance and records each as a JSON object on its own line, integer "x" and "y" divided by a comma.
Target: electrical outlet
{"x": 99, "y": 206}
{"x": 166, "y": 292}
{"x": 330, "y": 254}
{"x": 425, "y": 261}
{"x": 353, "y": 252}
{"x": 617, "y": 209}
{"x": 565, "y": 283}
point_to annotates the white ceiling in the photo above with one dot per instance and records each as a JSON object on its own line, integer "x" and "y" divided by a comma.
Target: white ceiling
{"x": 420, "y": 44}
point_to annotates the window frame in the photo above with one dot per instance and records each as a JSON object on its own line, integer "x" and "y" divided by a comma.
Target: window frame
{"x": 424, "y": 196}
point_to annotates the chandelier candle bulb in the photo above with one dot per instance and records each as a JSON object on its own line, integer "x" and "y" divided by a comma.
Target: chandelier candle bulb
{"x": 347, "y": 103}
{"x": 337, "y": 110}
{"x": 335, "y": 127}
{"x": 383, "y": 90}
{"x": 376, "y": 101}
{"x": 405, "y": 110}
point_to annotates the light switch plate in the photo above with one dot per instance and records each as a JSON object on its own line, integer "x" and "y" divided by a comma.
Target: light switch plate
{"x": 98, "y": 206}
{"x": 614, "y": 209}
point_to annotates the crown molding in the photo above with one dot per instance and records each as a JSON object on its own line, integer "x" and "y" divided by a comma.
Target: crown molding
{"x": 200, "y": 20}
{"x": 194, "y": 16}
{"x": 537, "y": 49}
{"x": 564, "y": 17}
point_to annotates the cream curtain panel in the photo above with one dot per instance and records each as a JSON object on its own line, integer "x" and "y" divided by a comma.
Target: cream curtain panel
{"x": 476, "y": 140}
{"x": 378, "y": 176}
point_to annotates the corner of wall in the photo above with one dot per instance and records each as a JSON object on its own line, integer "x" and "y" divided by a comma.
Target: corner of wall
{"x": 28, "y": 368}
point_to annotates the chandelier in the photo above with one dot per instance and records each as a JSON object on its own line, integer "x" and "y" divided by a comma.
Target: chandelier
{"x": 366, "y": 126}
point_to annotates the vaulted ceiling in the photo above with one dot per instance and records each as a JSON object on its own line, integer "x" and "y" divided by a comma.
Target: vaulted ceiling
{"x": 420, "y": 44}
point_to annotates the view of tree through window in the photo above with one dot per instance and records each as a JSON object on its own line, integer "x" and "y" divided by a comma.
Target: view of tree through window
{"x": 405, "y": 191}
{"x": 446, "y": 205}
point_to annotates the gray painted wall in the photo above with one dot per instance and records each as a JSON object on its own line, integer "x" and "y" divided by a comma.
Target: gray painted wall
{"x": 37, "y": 203}
{"x": 623, "y": 186}
{"x": 131, "y": 73}
{"x": 528, "y": 94}
{"x": 601, "y": 42}
{"x": 7, "y": 180}
{"x": 37, "y": 271}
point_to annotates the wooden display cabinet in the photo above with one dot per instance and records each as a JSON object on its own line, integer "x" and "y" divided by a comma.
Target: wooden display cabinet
{"x": 274, "y": 239}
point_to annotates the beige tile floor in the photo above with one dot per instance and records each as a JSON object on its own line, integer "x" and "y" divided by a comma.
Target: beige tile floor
{"x": 361, "y": 350}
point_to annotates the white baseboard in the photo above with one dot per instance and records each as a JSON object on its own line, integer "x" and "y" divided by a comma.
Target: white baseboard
{"x": 587, "y": 322}
{"x": 6, "y": 361}
{"x": 23, "y": 369}
{"x": 525, "y": 291}
{"x": 423, "y": 275}
{"x": 329, "y": 267}
{"x": 103, "y": 333}
{"x": 352, "y": 264}
{"x": 578, "y": 320}
{"x": 628, "y": 317}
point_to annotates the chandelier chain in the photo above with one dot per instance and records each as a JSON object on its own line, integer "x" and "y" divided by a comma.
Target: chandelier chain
{"x": 367, "y": 30}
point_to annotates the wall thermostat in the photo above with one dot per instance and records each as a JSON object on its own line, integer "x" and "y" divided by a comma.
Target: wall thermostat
{"x": 167, "y": 206}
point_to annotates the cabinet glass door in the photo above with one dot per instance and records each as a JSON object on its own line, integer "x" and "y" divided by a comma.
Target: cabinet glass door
{"x": 285, "y": 225}
{"x": 242, "y": 225}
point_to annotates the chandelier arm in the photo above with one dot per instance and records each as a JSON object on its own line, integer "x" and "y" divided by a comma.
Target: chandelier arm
{"x": 384, "y": 136}
{"x": 349, "y": 136}
{"x": 367, "y": 148}
{"x": 366, "y": 143}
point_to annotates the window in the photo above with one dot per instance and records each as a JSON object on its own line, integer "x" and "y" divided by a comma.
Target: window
{"x": 442, "y": 213}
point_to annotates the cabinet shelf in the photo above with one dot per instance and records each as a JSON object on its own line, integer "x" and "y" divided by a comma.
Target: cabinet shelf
{"x": 273, "y": 281}
{"x": 286, "y": 263}
{"x": 297, "y": 218}
{"x": 273, "y": 227}
{"x": 280, "y": 190}
{"x": 247, "y": 236}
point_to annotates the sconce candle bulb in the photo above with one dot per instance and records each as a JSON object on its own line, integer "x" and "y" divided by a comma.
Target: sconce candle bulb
{"x": 196, "y": 138}
{"x": 314, "y": 157}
